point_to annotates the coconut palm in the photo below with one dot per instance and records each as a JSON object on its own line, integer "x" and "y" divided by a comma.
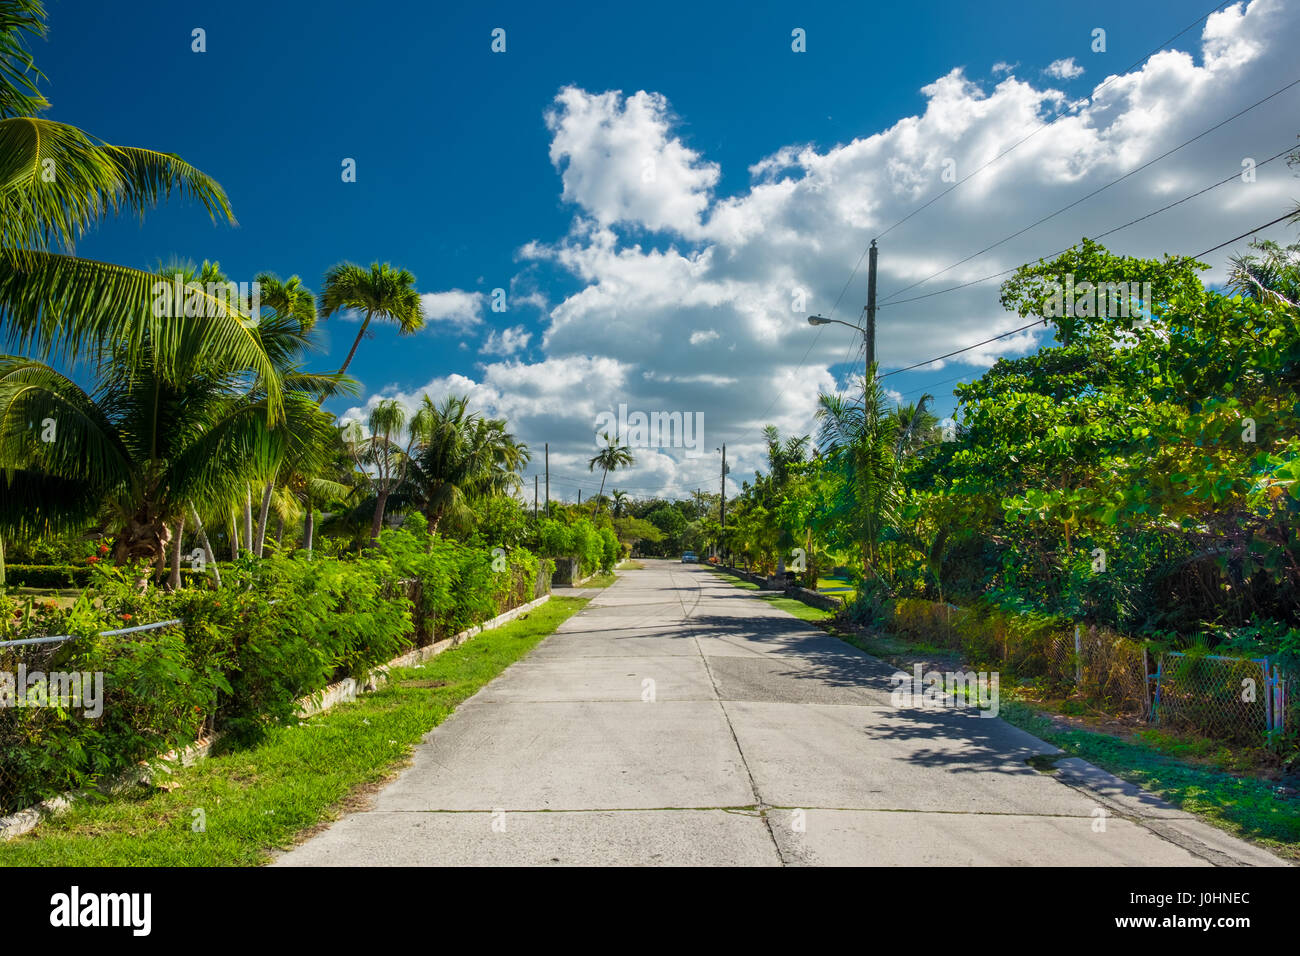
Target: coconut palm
{"x": 460, "y": 457}
{"x": 56, "y": 182}
{"x": 134, "y": 451}
{"x": 610, "y": 458}
{"x": 380, "y": 292}
{"x": 380, "y": 455}
{"x": 620, "y": 500}
{"x": 293, "y": 309}
{"x": 859, "y": 439}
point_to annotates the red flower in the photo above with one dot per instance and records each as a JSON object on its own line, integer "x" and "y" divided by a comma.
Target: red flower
{"x": 126, "y": 617}
{"x": 92, "y": 559}
{"x": 103, "y": 549}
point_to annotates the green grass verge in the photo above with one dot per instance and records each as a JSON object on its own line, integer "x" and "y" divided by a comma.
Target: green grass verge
{"x": 259, "y": 799}
{"x": 1245, "y": 806}
{"x": 804, "y": 612}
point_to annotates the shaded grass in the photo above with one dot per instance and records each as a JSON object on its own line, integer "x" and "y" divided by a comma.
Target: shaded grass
{"x": 804, "y": 612}
{"x": 255, "y": 800}
{"x": 1244, "y": 806}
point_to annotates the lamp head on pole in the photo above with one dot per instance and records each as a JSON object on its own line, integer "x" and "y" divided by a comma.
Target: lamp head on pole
{"x": 818, "y": 320}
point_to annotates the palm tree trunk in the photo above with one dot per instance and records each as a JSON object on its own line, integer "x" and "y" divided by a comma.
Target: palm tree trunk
{"x": 308, "y": 528}
{"x": 261, "y": 520}
{"x": 2, "y": 562}
{"x": 353, "y": 351}
{"x": 208, "y": 554}
{"x": 378, "y": 523}
{"x": 174, "y": 578}
{"x": 601, "y": 493}
{"x": 279, "y": 533}
{"x": 234, "y": 537}
{"x": 248, "y": 515}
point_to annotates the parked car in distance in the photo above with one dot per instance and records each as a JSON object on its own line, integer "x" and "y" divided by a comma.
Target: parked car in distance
{"x": 689, "y": 557}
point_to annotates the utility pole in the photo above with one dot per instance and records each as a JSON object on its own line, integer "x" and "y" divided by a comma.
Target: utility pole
{"x": 534, "y": 497}
{"x": 724, "y": 498}
{"x": 548, "y": 479}
{"x": 579, "y": 497}
{"x": 871, "y": 307}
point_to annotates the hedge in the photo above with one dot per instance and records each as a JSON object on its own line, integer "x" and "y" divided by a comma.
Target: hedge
{"x": 279, "y": 628}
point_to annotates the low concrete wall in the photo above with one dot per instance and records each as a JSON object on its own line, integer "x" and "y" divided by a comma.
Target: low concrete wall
{"x": 758, "y": 579}
{"x": 826, "y": 602}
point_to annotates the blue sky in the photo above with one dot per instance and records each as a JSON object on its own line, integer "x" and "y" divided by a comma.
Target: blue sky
{"x": 525, "y": 170}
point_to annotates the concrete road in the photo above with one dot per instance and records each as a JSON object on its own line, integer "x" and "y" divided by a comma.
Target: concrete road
{"x": 680, "y": 720}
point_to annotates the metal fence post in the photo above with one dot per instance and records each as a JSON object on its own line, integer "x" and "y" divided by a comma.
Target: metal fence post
{"x": 1078, "y": 659}
{"x": 1146, "y": 684}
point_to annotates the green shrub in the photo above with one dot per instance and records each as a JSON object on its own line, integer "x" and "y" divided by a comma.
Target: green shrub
{"x": 280, "y": 628}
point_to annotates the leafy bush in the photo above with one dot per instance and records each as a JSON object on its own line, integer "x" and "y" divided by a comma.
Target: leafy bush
{"x": 280, "y": 628}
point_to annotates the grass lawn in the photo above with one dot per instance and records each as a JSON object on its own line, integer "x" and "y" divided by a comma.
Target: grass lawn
{"x": 804, "y": 612}
{"x": 837, "y": 587}
{"x": 255, "y": 800}
{"x": 1243, "y": 805}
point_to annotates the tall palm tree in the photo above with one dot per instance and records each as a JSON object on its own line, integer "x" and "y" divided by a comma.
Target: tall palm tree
{"x": 293, "y": 310}
{"x": 610, "y": 458}
{"x": 620, "y": 499}
{"x": 381, "y": 291}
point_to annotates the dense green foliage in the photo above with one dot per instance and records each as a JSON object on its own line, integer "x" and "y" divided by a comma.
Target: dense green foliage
{"x": 279, "y": 629}
{"x": 1141, "y": 473}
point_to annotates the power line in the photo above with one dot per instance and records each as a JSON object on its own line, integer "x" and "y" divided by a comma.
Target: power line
{"x": 1096, "y": 191}
{"x": 1039, "y": 129}
{"x": 1289, "y": 215}
{"x": 1274, "y": 222}
{"x": 1101, "y": 235}
{"x": 937, "y": 358}
{"x": 1158, "y": 48}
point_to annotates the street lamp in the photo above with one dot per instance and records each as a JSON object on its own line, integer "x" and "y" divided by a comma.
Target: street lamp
{"x": 866, "y": 335}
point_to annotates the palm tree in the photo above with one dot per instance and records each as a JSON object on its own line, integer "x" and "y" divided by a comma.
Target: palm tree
{"x": 610, "y": 458}
{"x": 461, "y": 457}
{"x": 380, "y": 456}
{"x": 859, "y": 440}
{"x": 138, "y": 449}
{"x": 915, "y": 425}
{"x": 382, "y": 291}
{"x": 620, "y": 499}
{"x": 293, "y": 310}
{"x": 56, "y": 182}
{"x": 1270, "y": 275}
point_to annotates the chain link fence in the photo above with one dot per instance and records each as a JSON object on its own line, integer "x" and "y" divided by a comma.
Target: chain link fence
{"x": 1103, "y": 666}
{"x": 1229, "y": 698}
{"x": 1238, "y": 700}
{"x": 44, "y": 685}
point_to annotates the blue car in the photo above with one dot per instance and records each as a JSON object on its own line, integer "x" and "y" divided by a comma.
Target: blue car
{"x": 689, "y": 557}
